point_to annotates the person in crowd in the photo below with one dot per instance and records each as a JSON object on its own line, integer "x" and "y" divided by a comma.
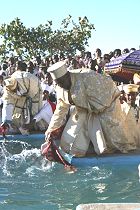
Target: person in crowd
{"x": 55, "y": 58}
{"x": 47, "y": 63}
{"x": 106, "y": 59}
{"x": 1, "y": 85}
{"x": 116, "y": 54}
{"x": 132, "y": 49}
{"x": 97, "y": 117}
{"x": 37, "y": 62}
{"x": 99, "y": 60}
{"x": 22, "y": 98}
{"x": 47, "y": 84}
{"x": 30, "y": 67}
{"x": 68, "y": 59}
{"x": 87, "y": 58}
{"x": 11, "y": 65}
{"x": 126, "y": 50}
{"x": 92, "y": 63}
{"x": 46, "y": 111}
{"x": 43, "y": 67}
{"x": 79, "y": 59}
{"x": 73, "y": 64}
{"x": 61, "y": 56}
{"x": 41, "y": 72}
{"x": 136, "y": 78}
{"x": 130, "y": 104}
{"x": 3, "y": 70}
{"x": 111, "y": 54}
{"x": 131, "y": 91}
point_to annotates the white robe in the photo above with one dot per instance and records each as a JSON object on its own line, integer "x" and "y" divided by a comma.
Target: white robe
{"x": 96, "y": 98}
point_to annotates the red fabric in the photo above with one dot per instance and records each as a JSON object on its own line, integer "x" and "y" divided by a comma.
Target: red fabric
{"x": 51, "y": 152}
{"x": 56, "y": 134}
{"x": 3, "y": 130}
{"x": 53, "y": 105}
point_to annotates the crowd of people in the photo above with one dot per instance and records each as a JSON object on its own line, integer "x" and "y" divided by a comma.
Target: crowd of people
{"x": 72, "y": 99}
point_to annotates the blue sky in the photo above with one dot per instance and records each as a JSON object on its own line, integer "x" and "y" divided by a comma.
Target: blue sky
{"x": 117, "y": 23}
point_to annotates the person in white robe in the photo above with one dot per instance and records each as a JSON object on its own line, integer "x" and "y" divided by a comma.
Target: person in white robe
{"x": 97, "y": 117}
{"x": 22, "y": 98}
{"x": 46, "y": 112}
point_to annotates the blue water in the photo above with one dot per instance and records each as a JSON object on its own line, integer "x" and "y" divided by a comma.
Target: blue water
{"x": 27, "y": 182}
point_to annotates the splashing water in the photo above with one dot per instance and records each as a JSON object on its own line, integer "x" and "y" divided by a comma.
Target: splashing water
{"x": 28, "y": 181}
{"x": 20, "y": 156}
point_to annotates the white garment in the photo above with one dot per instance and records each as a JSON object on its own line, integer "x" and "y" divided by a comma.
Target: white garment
{"x": 1, "y": 101}
{"x": 49, "y": 88}
{"x": 137, "y": 101}
{"x": 45, "y": 113}
{"x": 7, "y": 112}
{"x": 1, "y": 90}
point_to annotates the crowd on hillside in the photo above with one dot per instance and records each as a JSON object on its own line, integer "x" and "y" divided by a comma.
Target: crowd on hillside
{"x": 39, "y": 119}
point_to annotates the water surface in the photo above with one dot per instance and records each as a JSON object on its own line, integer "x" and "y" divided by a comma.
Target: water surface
{"x": 29, "y": 183}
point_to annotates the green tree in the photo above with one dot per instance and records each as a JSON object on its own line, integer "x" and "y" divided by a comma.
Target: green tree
{"x": 28, "y": 42}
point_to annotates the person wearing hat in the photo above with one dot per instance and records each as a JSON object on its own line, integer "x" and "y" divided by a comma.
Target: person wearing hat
{"x": 130, "y": 100}
{"x": 136, "y": 79}
{"x": 131, "y": 91}
{"x": 97, "y": 118}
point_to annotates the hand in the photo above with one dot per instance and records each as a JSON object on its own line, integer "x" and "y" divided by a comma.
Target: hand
{"x": 46, "y": 151}
{"x": 4, "y": 127}
{"x": 47, "y": 135}
{"x": 43, "y": 147}
{"x": 4, "y": 124}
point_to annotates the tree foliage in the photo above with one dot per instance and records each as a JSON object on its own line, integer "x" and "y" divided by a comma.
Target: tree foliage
{"x": 28, "y": 42}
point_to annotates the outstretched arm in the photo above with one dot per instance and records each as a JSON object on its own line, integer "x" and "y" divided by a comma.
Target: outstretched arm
{"x": 59, "y": 117}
